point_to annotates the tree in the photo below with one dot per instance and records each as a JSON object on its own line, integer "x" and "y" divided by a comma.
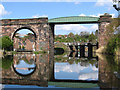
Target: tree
{"x": 7, "y": 61}
{"x": 77, "y": 37}
{"x": 113, "y": 37}
{"x": 71, "y": 35}
{"x": 112, "y": 28}
{"x": 92, "y": 38}
{"x": 7, "y": 43}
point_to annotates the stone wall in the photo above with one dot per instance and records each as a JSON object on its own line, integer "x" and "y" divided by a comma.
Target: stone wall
{"x": 104, "y": 21}
{"x": 39, "y": 26}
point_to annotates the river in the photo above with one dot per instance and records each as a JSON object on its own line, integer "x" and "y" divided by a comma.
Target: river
{"x": 66, "y": 70}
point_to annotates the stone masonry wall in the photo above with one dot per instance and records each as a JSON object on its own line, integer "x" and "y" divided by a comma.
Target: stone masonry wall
{"x": 104, "y": 21}
{"x": 38, "y": 25}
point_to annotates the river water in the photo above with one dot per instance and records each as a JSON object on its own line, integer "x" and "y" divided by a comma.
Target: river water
{"x": 64, "y": 70}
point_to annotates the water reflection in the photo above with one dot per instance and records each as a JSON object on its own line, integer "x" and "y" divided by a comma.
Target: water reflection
{"x": 41, "y": 69}
{"x": 109, "y": 71}
{"x": 75, "y": 68}
{"x": 24, "y": 65}
{"x": 26, "y": 69}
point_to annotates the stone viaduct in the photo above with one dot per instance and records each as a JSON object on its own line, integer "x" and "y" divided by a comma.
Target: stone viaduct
{"x": 43, "y": 28}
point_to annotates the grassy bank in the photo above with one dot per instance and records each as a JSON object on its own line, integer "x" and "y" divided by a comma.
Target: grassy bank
{"x": 73, "y": 85}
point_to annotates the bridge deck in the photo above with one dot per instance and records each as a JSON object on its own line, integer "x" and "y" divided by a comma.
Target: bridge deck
{"x": 74, "y": 20}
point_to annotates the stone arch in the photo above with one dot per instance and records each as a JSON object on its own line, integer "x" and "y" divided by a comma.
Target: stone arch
{"x": 29, "y": 28}
{"x": 25, "y": 27}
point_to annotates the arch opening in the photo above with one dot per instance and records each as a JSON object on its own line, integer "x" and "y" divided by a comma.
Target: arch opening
{"x": 24, "y": 40}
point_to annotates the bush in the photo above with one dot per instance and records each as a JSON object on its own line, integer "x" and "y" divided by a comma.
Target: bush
{"x": 7, "y": 43}
{"x": 113, "y": 44}
{"x": 7, "y": 61}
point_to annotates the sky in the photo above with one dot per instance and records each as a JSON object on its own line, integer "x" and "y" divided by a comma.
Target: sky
{"x": 24, "y": 31}
{"x": 69, "y": 71}
{"x": 9, "y": 9}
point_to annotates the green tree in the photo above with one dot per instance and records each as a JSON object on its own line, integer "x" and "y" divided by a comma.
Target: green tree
{"x": 7, "y": 61}
{"x": 92, "y": 38}
{"x": 112, "y": 28}
{"x": 7, "y": 43}
{"x": 113, "y": 37}
{"x": 71, "y": 35}
{"x": 77, "y": 37}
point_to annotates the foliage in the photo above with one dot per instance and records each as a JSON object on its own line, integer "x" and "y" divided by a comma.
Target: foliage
{"x": 112, "y": 64}
{"x": 113, "y": 44}
{"x": 25, "y": 60}
{"x": 7, "y": 62}
{"x": 111, "y": 29}
{"x": 71, "y": 34}
{"x": 92, "y": 38}
{"x": 113, "y": 37}
{"x": 7, "y": 43}
{"x": 23, "y": 47}
{"x": 77, "y": 38}
{"x": 19, "y": 47}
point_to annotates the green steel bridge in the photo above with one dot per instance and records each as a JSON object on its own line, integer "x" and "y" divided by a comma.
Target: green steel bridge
{"x": 74, "y": 20}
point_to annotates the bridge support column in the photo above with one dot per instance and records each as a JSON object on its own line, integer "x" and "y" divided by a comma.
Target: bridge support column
{"x": 104, "y": 21}
{"x": 51, "y": 53}
{"x": 82, "y": 50}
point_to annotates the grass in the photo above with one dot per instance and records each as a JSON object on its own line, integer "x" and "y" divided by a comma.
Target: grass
{"x": 73, "y": 85}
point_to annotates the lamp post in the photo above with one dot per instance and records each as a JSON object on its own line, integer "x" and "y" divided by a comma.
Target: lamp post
{"x": 117, "y": 7}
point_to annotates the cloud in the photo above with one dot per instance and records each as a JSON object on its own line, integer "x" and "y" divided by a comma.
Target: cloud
{"x": 103, "y": 2}
{"x": 3, "y": 11}
{"x": 37, "y": 16}
{"x": 86, "y": 72}
{"x": 89, "y": 76}
{"x": 94, "y": 27}
{"x": 82, "y": 14}
{"x": 97, "y": 15}
{"x": 77, "y": 28}
{"x": 76, "y": 2}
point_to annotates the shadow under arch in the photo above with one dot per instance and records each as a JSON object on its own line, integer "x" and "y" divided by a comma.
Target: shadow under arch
{"x": 24, "y": 28}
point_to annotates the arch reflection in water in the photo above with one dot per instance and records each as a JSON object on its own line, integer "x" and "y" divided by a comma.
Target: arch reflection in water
{"x": 27, "y": 69}
{"x": 24, "y": 67}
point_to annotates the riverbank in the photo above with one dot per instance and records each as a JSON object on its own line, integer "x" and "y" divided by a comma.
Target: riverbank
{"x": 102, "y": 50}
{"x": 15, "y": 52}
{"x": 1, "y": 53}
